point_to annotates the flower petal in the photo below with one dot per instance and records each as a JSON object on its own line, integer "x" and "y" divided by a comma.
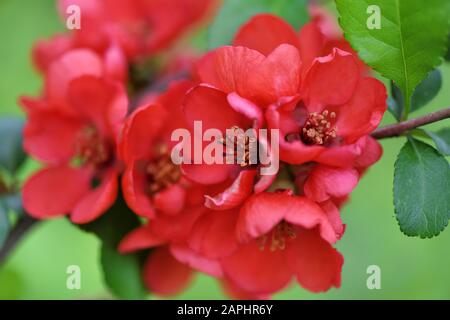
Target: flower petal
{"x": 331, "y": 80}
{"x": 133, "y": 186}
{"x": 47, "y": 194}
{"x": 264, "y": 33}
{"x": 213, "y": 235}
{"x": 257, "y": 271}
{"x": 164, "y": 275}
{"x": 52, "y": 136}
{"x": 363, "y": 113}
{"x": 139, "y": 239}
{"x": 317, "y": 264}
{"x": 171, "y": 200}
{"x": 196, "y": 261}
{"x": 325, "y": 182}
{"x": 234, "y": 195}
{"x": 262, "y": 212}
{"x": 97, "y": 201}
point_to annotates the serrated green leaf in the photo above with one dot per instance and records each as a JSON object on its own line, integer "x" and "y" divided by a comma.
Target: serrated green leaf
{"x": 234, "y": 13}
{"x": 11, "y": 152}
{"x": 122, "y": 273}
{"x": 421, "y": 190}
{"x": 410, "y": 42}
{"x": 424, "y": 93}
{"x": 441, "y": 139}
{"x": 4, "y": 224}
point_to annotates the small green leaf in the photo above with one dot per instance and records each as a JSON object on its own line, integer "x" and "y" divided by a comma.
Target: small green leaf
{"x": 421, "y": 190}
{"x": 441, "y": 139}
{"x": 122, "y": 273}
{"x": 234, "y": 13}
{"x": 4, "y": 224}
{"x": 426, "y": 91}
{"x": 11, "y": 152}
{"x": 394, "y": 108}
{"x": 409, "y": 43}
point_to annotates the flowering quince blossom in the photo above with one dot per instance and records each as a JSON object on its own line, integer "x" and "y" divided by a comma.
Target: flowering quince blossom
{"x": 322, "y": 105}
{"x": 155, "y": 189}
{"x": 254, "y": 232}
{"x": 74, "y": 129}
{"x": 324, "y": 108}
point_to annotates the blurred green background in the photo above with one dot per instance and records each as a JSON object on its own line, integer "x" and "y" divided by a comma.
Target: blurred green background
{"x": 411, "y": 268}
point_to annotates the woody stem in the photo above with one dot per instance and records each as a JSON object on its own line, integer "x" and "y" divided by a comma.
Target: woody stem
{"x": 22, "y": 226}
{"x": 395, "y": 130}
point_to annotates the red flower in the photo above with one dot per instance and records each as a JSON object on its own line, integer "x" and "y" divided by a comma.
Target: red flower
{"x": 138, "y": 27}
{"x": 151, "y": 180}
{"x": 321, "y": 104}
{"x": 272, "y": 238}
{"x": 74, "y": 131}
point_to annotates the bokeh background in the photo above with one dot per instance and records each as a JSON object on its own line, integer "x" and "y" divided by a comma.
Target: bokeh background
{"x": 411, "y": 268}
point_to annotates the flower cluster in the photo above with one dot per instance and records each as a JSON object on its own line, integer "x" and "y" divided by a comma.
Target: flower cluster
{"x": 252, "y": 231}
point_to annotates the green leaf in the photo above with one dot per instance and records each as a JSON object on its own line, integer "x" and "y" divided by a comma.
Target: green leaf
{"x": 441, "y": 139}
{"x": 410, "y": 42}
{"x": 421, "y": 190}
{"x": 122, "y": 273}
{"x": 235, "y": 13}
{"x": 13, "y": 201}
{"x": 426, "y": 91}
{"x": 4, "y": 224}
{"x": 11, "y": 152}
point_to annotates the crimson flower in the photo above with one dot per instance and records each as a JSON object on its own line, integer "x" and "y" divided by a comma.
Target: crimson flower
{"x": 74, "y": 129}
{"x": 270, "y": 239}
{"x": 138, "y": 27}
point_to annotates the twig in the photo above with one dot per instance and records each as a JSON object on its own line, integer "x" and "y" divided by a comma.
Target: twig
{"x": 395, "y": 130}
{"x": 22, "y": 226}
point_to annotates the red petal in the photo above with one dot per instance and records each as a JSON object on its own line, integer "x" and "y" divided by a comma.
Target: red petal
{"x": 133, "y": 185}
{"x": 235, "y": 195}
{"x": 264, "y": 33}
{"x": 235, "y": 292}
{"x": 317, "y": 264}
{"x": 164, "y": 275}
{"x": 371, "y": 153}
{"x": 279, "y": 75}
{"x": 363, "y": 113}
{"x": 71, "y": 65}
{"x": 213, "y": 235}
{"x": 52, "y": 136}
{"x": 48, "y": 194}
{"x": 139, "y": 239}
{"x": 265, "y": 210}
{"x": 176, "y": 228}
{"x": 342, "y": 156}
{"x": 331, "y": 80}
{"x": 257, "y": 271}
{"x": 196, "y": 261}
{"x": 97, "y": 201}
{"x": 171, "y": 200}
{"x": 229, "y": 68}
{"x": 142, "y": 129}
{"x": 104, "y": 103}
{"x": 210, "y": 106}
{"x": 312, "y": 42}
{"x": 325, "y": 182}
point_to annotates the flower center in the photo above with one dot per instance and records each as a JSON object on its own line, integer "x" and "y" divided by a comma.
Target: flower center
{"x": 240, "y": 146}
{"x": 277, "y": 237}
{"x": 162, "y": 172}
{"x": 319, "y": 128}
{"x": 92, "y": 148}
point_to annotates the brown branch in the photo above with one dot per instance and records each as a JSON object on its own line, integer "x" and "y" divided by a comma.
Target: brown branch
{"x": 24, "y": 224}
{"x": 395, "y": 130}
